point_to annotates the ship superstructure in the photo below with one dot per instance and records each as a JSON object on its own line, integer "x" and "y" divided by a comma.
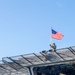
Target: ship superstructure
{"x": 30, "y": 64}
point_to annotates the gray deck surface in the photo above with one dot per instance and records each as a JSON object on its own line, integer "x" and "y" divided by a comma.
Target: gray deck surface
{"x": 18, "y": 64}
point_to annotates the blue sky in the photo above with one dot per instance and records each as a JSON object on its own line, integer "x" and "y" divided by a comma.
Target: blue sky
{"x": 25, "y": 25}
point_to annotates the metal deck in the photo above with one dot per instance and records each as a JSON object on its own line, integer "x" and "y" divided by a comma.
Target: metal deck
{"x": 21, "y": 63}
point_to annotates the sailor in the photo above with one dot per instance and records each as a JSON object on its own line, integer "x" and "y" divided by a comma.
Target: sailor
{"x": 53, "y": 46}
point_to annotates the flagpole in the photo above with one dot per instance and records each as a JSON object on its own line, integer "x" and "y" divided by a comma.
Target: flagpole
{"x": 50, "y": 36}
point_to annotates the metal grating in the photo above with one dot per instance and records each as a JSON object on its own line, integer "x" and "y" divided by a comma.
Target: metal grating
{"x": 21, "y": 62}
